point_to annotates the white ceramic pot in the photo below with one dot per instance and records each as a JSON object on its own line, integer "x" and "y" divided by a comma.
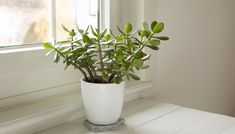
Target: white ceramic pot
{"x": 102, "y": 102}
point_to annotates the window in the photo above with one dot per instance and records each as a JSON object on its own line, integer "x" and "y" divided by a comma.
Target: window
{"x": 34, "y": 21}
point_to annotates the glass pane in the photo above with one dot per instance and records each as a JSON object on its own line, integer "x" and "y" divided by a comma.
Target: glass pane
{"x": 23, "y": 22}
{"x": 71, "y": 12}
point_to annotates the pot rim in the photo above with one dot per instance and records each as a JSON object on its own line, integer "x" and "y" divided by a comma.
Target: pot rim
{"x": 82, "y": 80}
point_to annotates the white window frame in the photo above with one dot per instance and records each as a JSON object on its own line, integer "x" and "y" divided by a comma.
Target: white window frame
{"x": 24, "y": 70}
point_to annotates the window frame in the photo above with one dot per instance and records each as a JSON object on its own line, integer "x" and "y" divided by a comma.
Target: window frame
{"x": 31, "y": 60}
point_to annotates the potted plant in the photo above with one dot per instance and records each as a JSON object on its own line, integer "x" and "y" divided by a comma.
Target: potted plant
{"x": 106, "y": 60}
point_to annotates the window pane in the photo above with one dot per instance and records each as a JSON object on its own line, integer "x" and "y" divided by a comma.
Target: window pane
{"x": 71, "y": 12}
{"x": 23, "y": 22}
{"x": 27, "y": 21}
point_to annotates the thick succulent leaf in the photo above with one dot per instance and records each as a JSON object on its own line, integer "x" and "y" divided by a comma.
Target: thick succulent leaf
{"x": 65, "y": 29}
{"x": 49, "y": 52}
{"x": 162, "y": 38}
{"x": 107, "y": 37}
{"x": 153, "y": 47}
{"x": 120, "y": 31}
{"x": 56, "y": 58}
{"x": 144, "y": 33}
{"x": 128, "y": 28}
{"x": 93, "y": 32}
{"x": 48, "y": 46}
{"x": 118, "y": 79}
{"x": 137, "y": 63}
{"x": 153, "y": 24}
{"x": 133, "y": 76}
{"x": 146, "y": 57}
{"x": 146, "y": 26}
{"x": 139, "y": 32}
{"x": 154, "y": 42}
{"x": 103, "y": 33}
{"x": 87, "y": 39}
{"x": 72, "y": 33}
{"x": 80, "y": 30}
{"x": 158, "y": 28}
{"x": 144, "y": 67}
{"x": 65, "y": 42}
{"x": 105, "y": 76}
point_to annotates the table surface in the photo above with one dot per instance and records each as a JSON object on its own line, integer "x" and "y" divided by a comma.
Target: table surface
{"x": 149, "y": 117}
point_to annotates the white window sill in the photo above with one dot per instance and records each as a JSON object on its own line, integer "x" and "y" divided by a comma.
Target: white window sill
{"x": 149, "y": 117}
{"x": 24, "y": 48}
{"x": 38, "y": 115}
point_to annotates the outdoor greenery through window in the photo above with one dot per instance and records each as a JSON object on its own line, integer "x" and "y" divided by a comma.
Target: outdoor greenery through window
{"x": 35, "y": 21}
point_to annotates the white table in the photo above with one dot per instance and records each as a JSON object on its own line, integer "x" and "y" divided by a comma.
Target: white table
{"x": 149, "y": 117}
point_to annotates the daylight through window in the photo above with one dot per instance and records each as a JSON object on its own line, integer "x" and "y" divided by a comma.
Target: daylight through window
{"x": 29, "y": 21}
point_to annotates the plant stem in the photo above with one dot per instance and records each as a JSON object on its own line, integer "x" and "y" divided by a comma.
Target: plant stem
{"x": 100, "y": 56}
{"x": 94, "y": 72}
{"x": 82, "y": 71}
{"x": 141, "y": 48}
{"x": 90, "y": 74}
{"x": 127, "y": 43}
{"x": 74, "y": 64}
{"x": 111, "y": 77}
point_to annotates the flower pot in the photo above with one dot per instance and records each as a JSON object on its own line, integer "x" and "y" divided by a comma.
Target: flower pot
{"x": 102, "y": 102}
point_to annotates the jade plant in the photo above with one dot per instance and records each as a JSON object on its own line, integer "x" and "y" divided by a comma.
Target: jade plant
{"x": 105, "y": 57}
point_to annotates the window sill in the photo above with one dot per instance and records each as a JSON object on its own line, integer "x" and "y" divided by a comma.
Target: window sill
{"x": 18, "y": 49}
{"x": 35, "y": 116}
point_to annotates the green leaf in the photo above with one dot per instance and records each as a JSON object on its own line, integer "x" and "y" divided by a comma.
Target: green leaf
{"x": 144, "y": 67}
{"x": 158, "y": 28}
{"x": 154, "y": 42}
{"x": 79, "y": 30}
{"x": 137, "y": 63}
{"x": 56, "y": 58}
{"x": 139, "y": 32}
{"x": 48, "y": 46}
{"x": 49, "y": 52}
{"x": 133, "y": 76}
{"x": 105, "y": 76}
{"x": 86, "y": 31}
{"x": 120, "y": 31}
{"x": 65, "y": 29}
{"x": 146, "y": 57}
{"x": 163, "y": 38}
{"x": 65, "y": 42}
{"x": 144, "y": 33}
{"x": 153, "y": 24}
{"x": 97, "y": 31}
{"x": 120, "y": 37}
{"x": 120, "y": 55}
{"x": 128, "y": 28}
{"x": 72, "y": 33}
{"x": 146, "y": 26}
{"x": 87, "y": 39}
{"x": 139, "y": 54}
{"x": 107, "y": 37}
{"x": 153, "y": 47}
{"x": 108, "y": 50}
{"x": 103, "y": 33}
{"x": 118, "y": 79}
{"x": 93, "y": 32}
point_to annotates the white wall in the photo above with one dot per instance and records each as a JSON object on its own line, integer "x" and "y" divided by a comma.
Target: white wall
{"x": 196, "y": 68}
{"x": 136, "y": 12}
